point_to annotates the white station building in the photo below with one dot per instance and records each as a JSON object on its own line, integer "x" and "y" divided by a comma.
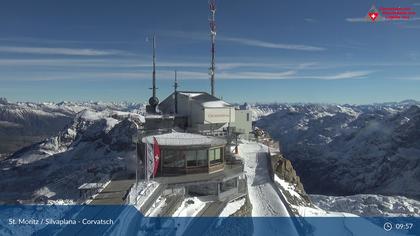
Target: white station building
{"x": 201, "y": 110}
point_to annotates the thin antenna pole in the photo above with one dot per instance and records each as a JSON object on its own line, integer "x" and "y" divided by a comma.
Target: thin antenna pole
{"x": 176, "y": 93}
{"x": 137, "y": 166}
{"x": 154, "y": 66}
{"x": 176, "y": 82}
{"x": 212, "y": 6}
{"x": 145, "y": 161}
{"x": 153, "y": 100}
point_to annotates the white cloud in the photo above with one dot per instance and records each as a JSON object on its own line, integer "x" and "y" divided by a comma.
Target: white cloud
{"x": 189, "y": 75}
{"x": 349, "y": 75}
{"x": 356, "y": 19}
{"x": 134, "y": 63}
{"x": 61, "y": 51}
{"x": 341, "y": 75}
{"x": 290, "y": 74}
{"x": 243, "y": 41}
{"x": 264, "y": 44}
{"x": 310, "y": 20}
{"x": 257, "y": 75}
{"x": 408, "y": 78}
{"x": 98, "y": 63}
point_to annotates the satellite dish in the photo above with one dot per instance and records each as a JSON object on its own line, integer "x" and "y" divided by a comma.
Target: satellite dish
{"x": 153, "y": 101}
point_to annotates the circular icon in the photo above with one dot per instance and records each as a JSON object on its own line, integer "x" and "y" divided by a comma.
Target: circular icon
{"x": 387, "y": 226}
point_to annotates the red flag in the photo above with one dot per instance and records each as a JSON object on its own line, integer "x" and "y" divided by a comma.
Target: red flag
{"x": 156, "y": 152}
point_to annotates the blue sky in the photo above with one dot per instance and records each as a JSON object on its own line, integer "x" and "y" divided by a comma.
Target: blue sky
{"x": 267, "y": 51}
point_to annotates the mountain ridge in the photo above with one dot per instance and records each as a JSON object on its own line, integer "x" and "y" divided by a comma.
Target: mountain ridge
{"x": 354, "y": 148}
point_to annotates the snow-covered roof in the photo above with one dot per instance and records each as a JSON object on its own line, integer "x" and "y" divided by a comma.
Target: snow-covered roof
{"x": 205, "y": 99}
{"x": 202, "y": 98}
{"x": 184, "y": 139}
{"x": 191, "y": 94}
{"x": 156, "y": 116}
{"x": 218, "y": 103}
{"x": 91, "y": 186}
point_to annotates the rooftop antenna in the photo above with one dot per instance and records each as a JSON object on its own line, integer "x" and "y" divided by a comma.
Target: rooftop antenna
{"x": 176, "y": 92}
{"x": 153, "y": 101}
{"x": 176, "y": 82}
{"x": 212, "y": 7}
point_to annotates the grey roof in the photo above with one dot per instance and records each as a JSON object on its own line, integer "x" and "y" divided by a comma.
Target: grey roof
{"x": 184, "y": 139}
{"x": 204, "y": 99}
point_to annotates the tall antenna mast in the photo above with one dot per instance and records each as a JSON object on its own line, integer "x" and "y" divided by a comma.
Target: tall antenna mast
{"x": 212, "y": 6}
{"x": 176, "y": 82}
{"x": 154, "y": 66}
{"x": 153, "y": 100}
{"x": 176, "y": 94}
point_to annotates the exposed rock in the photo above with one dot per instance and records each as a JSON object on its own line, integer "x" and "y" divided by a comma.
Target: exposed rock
{"x": 284, "y": 170}
{"x": 3, "y": 101}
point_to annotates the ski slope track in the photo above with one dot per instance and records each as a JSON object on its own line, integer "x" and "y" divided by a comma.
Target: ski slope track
{"x": 263, "y": 196}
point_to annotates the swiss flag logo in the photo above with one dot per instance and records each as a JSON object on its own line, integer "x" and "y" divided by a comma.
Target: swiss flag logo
{"x": 373, "y": 15}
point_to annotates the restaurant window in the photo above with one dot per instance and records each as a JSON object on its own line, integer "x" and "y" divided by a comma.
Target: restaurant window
{"x": 202, "y": 158}
{"x": 215, "y": 155}
{"x": 191, "y": 157}
{"x": 173, "y": 158}
{"x": 211, "y": 155}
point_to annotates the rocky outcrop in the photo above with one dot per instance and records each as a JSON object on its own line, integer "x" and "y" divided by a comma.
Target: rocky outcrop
{"x": 3, "y": 101}
{"x": 284, "y": 170}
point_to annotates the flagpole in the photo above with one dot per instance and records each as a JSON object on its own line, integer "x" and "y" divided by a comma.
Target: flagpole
{"x": 153, "y": 174}
{"x": 145, "y": 160}
{"x": 137, "y": 167}
{"x": 135, "y": 140}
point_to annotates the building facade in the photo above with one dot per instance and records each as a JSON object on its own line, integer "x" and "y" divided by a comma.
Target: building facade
{"x": 186, "y": 153}
{"x": 202, "y": 111}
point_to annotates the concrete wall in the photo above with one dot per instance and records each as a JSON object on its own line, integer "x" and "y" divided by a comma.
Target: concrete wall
{"x": 219, "y": 115}
{"x": 243, "y": 121}
{"x": 199, "y": 117}
{"x": 184, "y": 104}
{"x": 197, "y": 114}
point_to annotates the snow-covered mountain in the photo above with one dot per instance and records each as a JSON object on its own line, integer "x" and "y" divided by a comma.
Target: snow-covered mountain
{"x": 95, "y": 144}
{"x": 350, "y": 149}
{"x": 369, "y": 205}
{"x": 25, "y": 123}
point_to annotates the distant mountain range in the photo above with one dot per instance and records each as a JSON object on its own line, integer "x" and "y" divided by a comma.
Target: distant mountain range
{"x": 94, "y": 142}
{"x": 349, "y": 149}
{"x": 336, "y": 150}
{"x": 23, "y": 124}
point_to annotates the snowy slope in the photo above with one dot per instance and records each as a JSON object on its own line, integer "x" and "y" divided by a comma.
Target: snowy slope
{"x": 25, "y": 123}
{"x": 93, "y": 147}
{"x": 355, "y": 149}
{"x": 369, "y": 205}
{"x": 261, "y": 111}
{"x": 263, "y": 194}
